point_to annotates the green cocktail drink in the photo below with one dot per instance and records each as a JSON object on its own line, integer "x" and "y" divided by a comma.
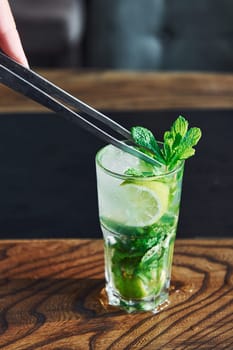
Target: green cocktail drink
{"x": 138, "y": 217}
{"x": 138, "y": 210}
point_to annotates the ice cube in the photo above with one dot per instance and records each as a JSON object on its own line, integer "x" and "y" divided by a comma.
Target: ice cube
{"x": 118, "y": 161}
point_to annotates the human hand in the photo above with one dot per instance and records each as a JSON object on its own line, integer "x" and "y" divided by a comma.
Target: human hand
{"x": 10, "y": 41}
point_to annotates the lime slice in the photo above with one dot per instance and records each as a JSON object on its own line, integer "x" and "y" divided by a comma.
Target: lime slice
{"x": 142, "y": 203}
{"x": 131, "y": 287}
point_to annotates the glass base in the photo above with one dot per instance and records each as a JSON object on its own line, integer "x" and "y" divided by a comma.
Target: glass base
{"x": 154, "y": 304}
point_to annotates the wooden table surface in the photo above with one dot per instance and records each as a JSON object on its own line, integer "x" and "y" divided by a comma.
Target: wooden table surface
{"x": 51, "y": 297}
{"x": 133, "y": 91}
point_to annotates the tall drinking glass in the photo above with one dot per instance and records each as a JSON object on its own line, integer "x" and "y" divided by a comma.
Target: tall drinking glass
{"x": 138, "y": 217}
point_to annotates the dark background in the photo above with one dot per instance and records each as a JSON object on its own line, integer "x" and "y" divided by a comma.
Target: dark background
{"x": 127, "y": 34}
{"x": 48, "y": 185}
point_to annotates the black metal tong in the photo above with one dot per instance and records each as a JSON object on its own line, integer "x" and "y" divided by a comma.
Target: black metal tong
{"x": 37, "y": 88}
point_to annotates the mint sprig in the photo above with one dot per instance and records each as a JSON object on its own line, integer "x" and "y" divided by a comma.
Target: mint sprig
{"x": 178, "y": 144}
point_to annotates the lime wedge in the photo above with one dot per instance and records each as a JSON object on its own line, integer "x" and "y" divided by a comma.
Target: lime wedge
{"x": 143, "y": 203}
{"x": 131, "y": 288}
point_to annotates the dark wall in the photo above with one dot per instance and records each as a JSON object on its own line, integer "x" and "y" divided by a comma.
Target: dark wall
{"x": 48, "y": 184}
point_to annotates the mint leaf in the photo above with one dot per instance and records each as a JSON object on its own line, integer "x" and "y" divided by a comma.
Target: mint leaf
{"x": 180, "y": 126}
{"x": 193, "y": 136}
{"x": 133, "y": 172}
{"x": 168, "y": 144}
{"x": 145, "y": 138}
{"x": 189, "y": 152}
{"x": 138, "y": 173}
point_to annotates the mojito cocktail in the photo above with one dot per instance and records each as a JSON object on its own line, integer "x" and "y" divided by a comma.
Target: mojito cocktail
{"x": 138, "y": 211}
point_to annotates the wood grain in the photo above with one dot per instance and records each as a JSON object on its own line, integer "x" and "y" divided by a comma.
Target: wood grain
{"x": 51, "y": 297}
{"x": 116, "y": 90}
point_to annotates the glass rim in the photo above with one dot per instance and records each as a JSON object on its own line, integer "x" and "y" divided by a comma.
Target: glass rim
{"x": 130, "y": 177}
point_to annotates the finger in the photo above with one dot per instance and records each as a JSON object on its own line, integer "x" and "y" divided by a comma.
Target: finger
{"x": 11, "y": 45}
{"x": 9, "y": 38}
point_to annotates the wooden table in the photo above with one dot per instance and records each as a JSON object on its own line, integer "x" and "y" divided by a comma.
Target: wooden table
{"x": 51, "y": 294}
{"x": 133, "y": 91}
{"x": 51, "y": 297}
